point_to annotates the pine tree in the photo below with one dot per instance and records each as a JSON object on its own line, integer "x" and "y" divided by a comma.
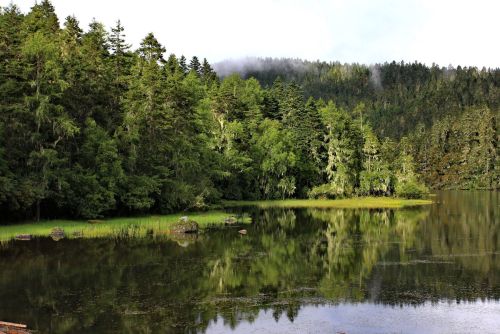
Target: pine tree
{"x": 292, "y": 104}
{"x": 376, "y": 178}
{"x": 208, "y": 75}
{"x": 72, "y": 29}
{"x": 343, "y": 142}
{"x": 278, "y": 91}
{"x": 120, "y": 51}
{"x": 195, "y": 66}
{"x": 93, "y": 185}
{"x": 15, "y": 192}
{"x": 183, "y": 65}
{"x": 117, "y": 40}
{"x": 172, "y": 64}
{"x": 48, "y": 122}
{"x": 151, "y": 50}
{"x": 42, "y": 17}
{"x": 74, "y": 98}
{"x": 97, "y": 39}
{"x": 270, "y": 106}
{"x": 307, "y": 131}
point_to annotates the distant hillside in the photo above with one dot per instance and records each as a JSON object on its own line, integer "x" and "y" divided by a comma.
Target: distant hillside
{"x": 397, "y": 96}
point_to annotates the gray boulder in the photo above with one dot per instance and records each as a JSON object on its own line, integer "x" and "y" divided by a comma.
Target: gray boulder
{"x": 57, "y": 233}
{"x": 185, "y": 225}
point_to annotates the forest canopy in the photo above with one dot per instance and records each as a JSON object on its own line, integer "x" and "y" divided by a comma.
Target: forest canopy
{"x": 90, "y": 127}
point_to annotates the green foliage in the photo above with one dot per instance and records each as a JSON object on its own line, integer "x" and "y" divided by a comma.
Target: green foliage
{"x": 343, "y": 142}
{"x": 460, "y": 152}
{"x": 91, "y": 128}
{"x": 379, "y": 182}
{"x": 432, "y": 105}
{"x": 324, "y": 191}
{"x": 411, "y": 189}
{"x": 272, "y": 149}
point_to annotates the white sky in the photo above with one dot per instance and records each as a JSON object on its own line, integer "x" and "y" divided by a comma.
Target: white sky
{"x": 366, "y": 31}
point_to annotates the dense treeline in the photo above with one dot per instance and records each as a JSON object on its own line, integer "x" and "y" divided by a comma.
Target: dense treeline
{"x": 398, "y": 96}
{"x": 89, "y": 127}
{"x": 412, "y": 100}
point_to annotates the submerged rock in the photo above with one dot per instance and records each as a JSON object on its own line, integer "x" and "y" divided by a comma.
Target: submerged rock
{"x": 185, "y": 225}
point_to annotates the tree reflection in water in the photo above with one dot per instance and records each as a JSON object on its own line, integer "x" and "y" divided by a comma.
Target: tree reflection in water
{"x": 290, "y": 258}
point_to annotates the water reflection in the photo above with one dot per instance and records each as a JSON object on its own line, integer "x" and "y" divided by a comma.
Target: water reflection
{"x": 290, "y": 258}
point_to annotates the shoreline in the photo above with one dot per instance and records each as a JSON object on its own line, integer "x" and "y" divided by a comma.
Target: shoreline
{"x": 113, "y": 227}
{"x": 345, "y": 203}
{"x": 160, "y": 224}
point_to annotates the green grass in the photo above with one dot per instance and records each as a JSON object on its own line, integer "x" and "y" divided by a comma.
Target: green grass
{"x": 159, "y": 225}
{"x": 130, "y": 226}
{"x": 347, "y": 203}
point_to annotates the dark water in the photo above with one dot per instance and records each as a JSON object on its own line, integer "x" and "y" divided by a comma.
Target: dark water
{"x": 433, "y": 269}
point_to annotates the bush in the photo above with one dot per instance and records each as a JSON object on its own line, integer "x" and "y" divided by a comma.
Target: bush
{"x": 411, "y": 189}
{"x": 324, "y": 191}
{"x": 377, "y": 183}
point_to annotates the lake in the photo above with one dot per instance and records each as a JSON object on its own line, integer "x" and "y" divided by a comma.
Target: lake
{"x": 428, "y": 269}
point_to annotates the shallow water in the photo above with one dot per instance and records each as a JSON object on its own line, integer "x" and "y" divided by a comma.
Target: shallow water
{"x": 432, "y": 269}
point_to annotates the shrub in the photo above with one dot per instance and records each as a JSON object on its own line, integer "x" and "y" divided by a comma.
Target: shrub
{"x": 324, "y": 191}
{"x": 378, "y": 183}
{"x": 411, "y": 189}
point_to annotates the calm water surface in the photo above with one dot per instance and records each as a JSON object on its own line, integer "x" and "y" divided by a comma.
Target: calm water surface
{"x": 433, "y": 269}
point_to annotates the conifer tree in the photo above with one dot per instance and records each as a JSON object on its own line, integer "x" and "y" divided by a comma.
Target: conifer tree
{"x": 183, "y": 65}
{"x": 48, "y": 122}
{"x": 42, "y": 17}
{"x": 172, "y": 64}
{"x": 120, "y": 50}
{"x": 208, "y": 75}
{"x": 117, "y": 42}
{"x": 151, "y": 50}
{"x": 195, "y": 66}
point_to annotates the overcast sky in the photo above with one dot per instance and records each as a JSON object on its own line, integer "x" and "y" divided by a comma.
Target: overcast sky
{"x": 365, "y": 31}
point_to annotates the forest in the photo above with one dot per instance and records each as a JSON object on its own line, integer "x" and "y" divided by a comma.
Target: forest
{"x": 90, "y": 127}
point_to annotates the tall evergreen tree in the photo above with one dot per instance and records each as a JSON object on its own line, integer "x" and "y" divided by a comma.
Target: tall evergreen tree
{"x": 172, "y": 64}
{"x": 343, "y": 150}
{"x": 151, "y": 50}
{"x": 48, "y": 122}
{"x": 208, "y": 75}
{"x": 195, "y": 66}
{"x": 183, "y": 64}
{"x": 120, "y": 50}
{"x": 42, "y": 17}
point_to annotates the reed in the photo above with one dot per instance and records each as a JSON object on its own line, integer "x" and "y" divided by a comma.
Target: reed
{"x": 115, "y": 227}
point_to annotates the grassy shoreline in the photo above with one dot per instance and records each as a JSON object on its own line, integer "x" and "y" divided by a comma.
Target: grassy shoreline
{"x": 159, "y": 225}
{"x": 130, "y": 226}
{"x": 347, "y": 203}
